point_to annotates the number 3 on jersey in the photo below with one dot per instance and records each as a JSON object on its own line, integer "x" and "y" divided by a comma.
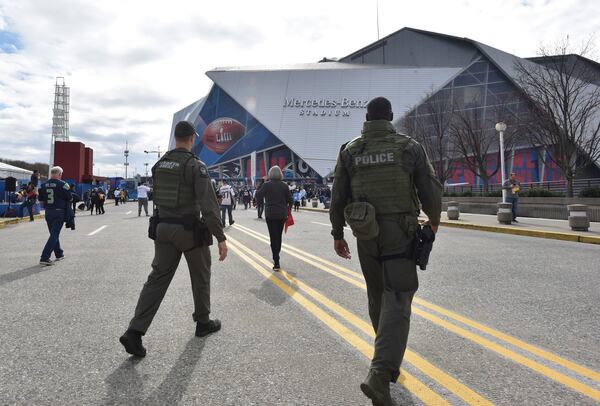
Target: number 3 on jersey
{"x": 49, "y": 196}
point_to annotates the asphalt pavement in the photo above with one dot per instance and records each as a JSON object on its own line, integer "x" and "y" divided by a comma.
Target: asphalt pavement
{"x": 498, "y": 319}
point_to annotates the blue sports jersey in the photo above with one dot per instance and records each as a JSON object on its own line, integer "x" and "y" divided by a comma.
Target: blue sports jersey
{"x": 56, "y": 194}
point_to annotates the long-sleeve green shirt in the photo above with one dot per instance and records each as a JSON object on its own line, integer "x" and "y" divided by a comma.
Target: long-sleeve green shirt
{"x": 429, "y": 189}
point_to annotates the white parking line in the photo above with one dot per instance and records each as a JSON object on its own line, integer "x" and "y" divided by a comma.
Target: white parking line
{"x": 326, "y": 225}
{"x": 128, "y": 213}
{"x": 98, "y": 230}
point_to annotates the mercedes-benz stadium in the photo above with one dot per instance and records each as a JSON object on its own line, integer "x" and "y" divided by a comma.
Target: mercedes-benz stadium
{"x": 298, "y": 116}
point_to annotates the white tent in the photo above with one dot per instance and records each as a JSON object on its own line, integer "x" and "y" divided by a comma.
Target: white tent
{"x": 7, "y": 170}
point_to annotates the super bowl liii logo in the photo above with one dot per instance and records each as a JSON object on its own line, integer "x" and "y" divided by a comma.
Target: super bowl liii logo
{"x": 325, "y": 107}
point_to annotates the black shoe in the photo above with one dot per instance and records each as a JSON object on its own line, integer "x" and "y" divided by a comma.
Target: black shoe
{"x": 46, "y": 262}
{"x": 276, "y": 267}
{"x": 231, "y": 222}
{"x": 59, "y": 258}
{"x": 132, "y": 341}
{"x": 377, "y": 388}
{"x": 204, "y": 329}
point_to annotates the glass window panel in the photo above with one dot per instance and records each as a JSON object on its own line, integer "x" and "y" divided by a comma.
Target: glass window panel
{"x": 478, "y": 67}
{"x": 471, "y": 96}
{"x": 495, "y": 76}
{"x": 500, "y": 87}
{"x": 466, "y": 79}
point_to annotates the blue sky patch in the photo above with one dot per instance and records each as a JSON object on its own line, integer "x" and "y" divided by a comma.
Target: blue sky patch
{"x": 9, "y": 42}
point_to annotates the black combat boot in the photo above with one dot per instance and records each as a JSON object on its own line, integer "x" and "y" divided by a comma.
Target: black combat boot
{"x": 377, "y": 388}
{"x": 204, "y": 329}
{"x": 132, "y": 341}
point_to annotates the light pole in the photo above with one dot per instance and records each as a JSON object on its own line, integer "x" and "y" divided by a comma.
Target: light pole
{"x": 146, "y": 164}
{"x": 501, "y": 127}
{"x": 157, "y": 151}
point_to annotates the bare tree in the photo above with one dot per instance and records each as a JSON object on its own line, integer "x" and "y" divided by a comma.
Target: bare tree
{"x": 564, "y": 107}
{"x": 430, "y": 126}
{"x": 476, "y": 141}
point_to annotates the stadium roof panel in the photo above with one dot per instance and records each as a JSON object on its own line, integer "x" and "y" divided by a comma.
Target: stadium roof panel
{"x": 295, "y": 104}
{"x": 319, "y": 66}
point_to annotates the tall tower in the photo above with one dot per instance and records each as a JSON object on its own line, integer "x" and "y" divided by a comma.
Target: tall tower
{"x": 60, "y": 118}
{"x": 126, "y": 153}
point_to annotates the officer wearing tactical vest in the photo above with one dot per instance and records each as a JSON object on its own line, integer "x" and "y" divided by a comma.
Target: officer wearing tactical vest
{"x": 182, "y": 192}
{"x": 379, "y": 180}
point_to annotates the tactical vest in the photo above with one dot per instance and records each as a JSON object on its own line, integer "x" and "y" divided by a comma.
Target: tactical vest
{"x": 379, "y": 176}
{"x": 170, "y": 188}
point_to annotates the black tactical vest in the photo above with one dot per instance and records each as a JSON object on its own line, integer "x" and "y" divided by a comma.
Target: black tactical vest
{"x": 168, "y": 174}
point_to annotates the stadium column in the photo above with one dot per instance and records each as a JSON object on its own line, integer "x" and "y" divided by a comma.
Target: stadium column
{"x": 293, "y": 162}
{"x": 266, "y": 161}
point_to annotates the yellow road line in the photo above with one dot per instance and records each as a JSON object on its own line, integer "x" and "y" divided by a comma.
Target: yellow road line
{"x": 450, "y": 383}
{"x": 550, "y": 373}
{"x": 579, "y": 369}
{"x": 306, "y": 254}
{"x": 521, "y": 359}
{"x": 415, "y": 386}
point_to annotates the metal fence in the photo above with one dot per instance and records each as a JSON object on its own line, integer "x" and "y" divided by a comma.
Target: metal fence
{"x": 557, "y": 187}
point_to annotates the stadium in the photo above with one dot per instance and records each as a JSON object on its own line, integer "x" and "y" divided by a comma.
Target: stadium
{"x": 297, "y": 116}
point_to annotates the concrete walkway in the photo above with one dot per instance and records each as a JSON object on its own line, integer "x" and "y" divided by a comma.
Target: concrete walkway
{"x": 5, "y": 221}
{"x": 526, "y": 223}
{"x": 532, "y": 227}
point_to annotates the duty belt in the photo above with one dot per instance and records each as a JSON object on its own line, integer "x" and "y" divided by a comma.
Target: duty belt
{"x": 187, "y": 222}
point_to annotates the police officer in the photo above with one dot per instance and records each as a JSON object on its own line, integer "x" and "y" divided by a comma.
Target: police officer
{"x": 380, "y": 178}
{"x": 56, "y": 196}
{"x": 182, "y": 192}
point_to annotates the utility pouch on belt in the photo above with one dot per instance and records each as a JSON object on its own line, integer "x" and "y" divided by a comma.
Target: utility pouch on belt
{"x": 360, "y": 216}
{"x": 424, "y": 239}
{"x": 202, "y": 236}
{"x": 152, "y": 225}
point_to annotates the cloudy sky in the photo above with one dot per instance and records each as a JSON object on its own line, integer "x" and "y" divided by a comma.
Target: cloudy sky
{"x": 132, "y": 64}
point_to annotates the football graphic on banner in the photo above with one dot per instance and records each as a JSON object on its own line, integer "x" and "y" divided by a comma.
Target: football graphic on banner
{"x": 222, "y": 133}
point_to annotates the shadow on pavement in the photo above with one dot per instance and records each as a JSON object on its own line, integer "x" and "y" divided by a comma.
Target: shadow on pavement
{"x": 401, "y": 395}
{"x": 271, "y": 294}
{"x": 125, "y": 385}
{"x": 175, "y": 384}
{"x": 23, "y": 273}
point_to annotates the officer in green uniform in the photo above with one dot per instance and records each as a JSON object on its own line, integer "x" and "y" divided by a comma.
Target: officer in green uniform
{"x": 185, "y": 199}
{"x": 380, "y": 178}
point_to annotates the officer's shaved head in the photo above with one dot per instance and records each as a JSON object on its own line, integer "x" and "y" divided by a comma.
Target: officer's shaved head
{"x": 379, "y": 108}
{"x": 184, "y": 129}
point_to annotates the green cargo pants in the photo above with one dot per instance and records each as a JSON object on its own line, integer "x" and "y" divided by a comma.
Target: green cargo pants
{"x": 171, "y": 242}
{"x": 391, "y": 285}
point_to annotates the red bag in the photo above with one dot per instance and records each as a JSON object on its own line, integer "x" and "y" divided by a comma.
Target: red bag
{"x": 290, "y": 220}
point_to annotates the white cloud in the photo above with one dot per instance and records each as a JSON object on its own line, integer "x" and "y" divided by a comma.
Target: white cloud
{"x": 131, "y": 64}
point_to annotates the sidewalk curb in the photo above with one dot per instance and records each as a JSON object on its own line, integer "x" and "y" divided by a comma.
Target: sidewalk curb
{"x": 315, "y": 209}
{"x": 551, "y": 235}
{"x": 3, "y": 224}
